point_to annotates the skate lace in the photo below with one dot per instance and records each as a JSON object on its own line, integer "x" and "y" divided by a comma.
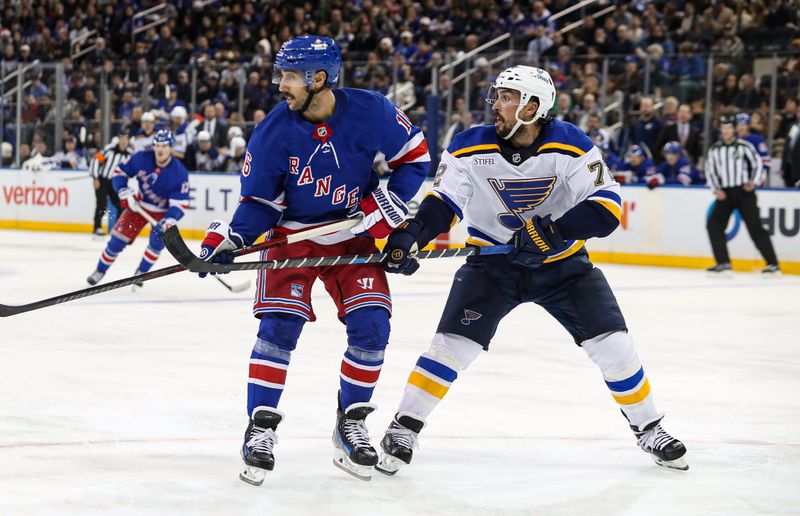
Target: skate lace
{"x": 262, "y": 440}
{"x": 355, "y": 431}
{"x": 655, "y": 439}
{"x": 403, "y": 436}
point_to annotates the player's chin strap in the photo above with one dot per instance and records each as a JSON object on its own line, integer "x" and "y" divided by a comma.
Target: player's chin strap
{"x": 310, "y": 97}
{"x": 520, "y": 122}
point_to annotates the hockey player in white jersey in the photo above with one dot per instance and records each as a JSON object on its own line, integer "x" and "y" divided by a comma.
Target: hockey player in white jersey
{"x": 542, "y": 185}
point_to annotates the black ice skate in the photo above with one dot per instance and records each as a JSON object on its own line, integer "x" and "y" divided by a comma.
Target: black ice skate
{"x": 663, "y": 448}
{"x": 399, "y": 442}
{"x": 771, "y": 270}
{"x": 138, "y": 284}
{"x": 720, "y": 270}
{"x": 95, "y": 277}
{"x": 259, "y": 438}
{"x": 352, "y": 450}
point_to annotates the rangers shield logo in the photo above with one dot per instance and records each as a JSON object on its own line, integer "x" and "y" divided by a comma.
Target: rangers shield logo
{"x": 297, "y": 290}
{"x": 519, "y": 196}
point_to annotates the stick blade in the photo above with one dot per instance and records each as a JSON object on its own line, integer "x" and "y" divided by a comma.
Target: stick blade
{"x": 241, "y": 288}
{"x": 9, "y": 310}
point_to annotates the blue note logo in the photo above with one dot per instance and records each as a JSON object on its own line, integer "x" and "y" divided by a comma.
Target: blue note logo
{"x": 520, "y": 196}
{"x": 469, "y": 316}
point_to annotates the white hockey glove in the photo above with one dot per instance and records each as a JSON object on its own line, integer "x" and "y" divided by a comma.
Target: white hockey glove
{"x": 383, "y": 211}
{"x": 129, "y": 198}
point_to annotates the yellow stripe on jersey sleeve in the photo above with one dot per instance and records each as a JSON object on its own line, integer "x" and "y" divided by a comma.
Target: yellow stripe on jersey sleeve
{"x": 561, "y": 146}
{"x": 610, "y": 206}
{"x": 476, "y": 148}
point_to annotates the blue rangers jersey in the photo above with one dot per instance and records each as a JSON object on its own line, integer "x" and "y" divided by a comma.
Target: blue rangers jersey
{"x": 496, "y": 188}
{"x": 645, "y": 168}
{"x": 760, "y": 143}
{"x": 163, "y": 190}
{"x": 298, "y": 173}
{"x": 682, "y": 173}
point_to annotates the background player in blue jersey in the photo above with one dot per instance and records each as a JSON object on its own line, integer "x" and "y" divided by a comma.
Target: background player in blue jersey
{"x": 759, "y": 142}
{"x": 309, "y": 162}
{"x": 674, "y": 170}
{"x": 162, "y": 191}
{"x": 638, "y": 164}
{"x": 540, "y": 184}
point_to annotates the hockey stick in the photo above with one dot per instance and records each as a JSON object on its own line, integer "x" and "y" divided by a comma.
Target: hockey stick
{"x": 153, "y": 222}
{"x": 181, "y": 252}
{"x": 8, "y": 310}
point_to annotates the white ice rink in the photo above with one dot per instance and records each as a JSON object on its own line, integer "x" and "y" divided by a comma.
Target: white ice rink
{"x": 134, "y": 403}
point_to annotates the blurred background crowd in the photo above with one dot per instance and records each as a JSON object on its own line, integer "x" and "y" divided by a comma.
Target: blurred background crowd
{"x": 647, "y": 80}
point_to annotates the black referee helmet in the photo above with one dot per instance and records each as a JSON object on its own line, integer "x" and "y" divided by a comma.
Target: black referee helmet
{"x": 727, "y": 119}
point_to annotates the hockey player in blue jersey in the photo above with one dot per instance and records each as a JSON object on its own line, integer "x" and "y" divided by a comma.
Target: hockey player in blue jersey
{"x": 612, "y": 161}
{"x": 674, "y": 170}
{"x": 307, "y": 163}
{"x": 540, "y": 184}
{"x": 638, "y": 164}
{"x": 162, "y": 191}
{"x": 758, "y": 141}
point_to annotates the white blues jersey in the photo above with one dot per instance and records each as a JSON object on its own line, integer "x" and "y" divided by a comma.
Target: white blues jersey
{"x": 496, "y": 188}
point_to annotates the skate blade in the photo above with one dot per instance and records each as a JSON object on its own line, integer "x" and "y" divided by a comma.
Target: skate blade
{"x": 252, "y": 475}
{"x": 679, "y": 463}
{"x": 771, "y": 275}
{"x": 389, "y": 465}
{"x": 343, "y": 462}
{"x": 724, "y": 274}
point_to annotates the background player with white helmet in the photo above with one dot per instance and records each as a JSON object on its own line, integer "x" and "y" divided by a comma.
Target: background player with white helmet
{"x": 542, "y": 185}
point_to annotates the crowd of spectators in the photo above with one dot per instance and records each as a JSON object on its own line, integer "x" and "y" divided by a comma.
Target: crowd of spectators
{"x": 217, "y": 59}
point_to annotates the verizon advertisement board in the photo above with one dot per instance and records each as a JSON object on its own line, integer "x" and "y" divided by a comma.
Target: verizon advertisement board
{"x": 665, "y": 226}
{"x": 64, "y": 200}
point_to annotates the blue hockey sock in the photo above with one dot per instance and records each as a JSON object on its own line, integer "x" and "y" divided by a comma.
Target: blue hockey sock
{"x": 359, "y": 375}
{"x": 109, "y": 255}
{"x": 268, "y": 365}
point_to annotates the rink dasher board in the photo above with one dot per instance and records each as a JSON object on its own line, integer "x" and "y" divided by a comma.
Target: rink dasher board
{"x": 665, "y": 226}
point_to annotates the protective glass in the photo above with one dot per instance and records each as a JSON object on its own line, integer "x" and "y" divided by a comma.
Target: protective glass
{"x": 291, "y": 78}
{"x": 505, "y": 95}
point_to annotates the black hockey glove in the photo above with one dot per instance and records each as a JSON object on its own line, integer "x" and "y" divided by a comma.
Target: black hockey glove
{"x": 535, "y": 242}
{"x": 400, "y": 244}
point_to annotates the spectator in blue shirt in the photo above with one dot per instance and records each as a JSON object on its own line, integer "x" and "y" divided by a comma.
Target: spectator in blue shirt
{"x": 647, "y": 129}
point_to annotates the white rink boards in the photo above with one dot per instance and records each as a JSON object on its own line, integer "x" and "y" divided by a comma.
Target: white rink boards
{"x": 129, "y": 403}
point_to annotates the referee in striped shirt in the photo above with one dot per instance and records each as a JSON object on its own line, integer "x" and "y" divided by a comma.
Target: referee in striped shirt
{"x": 733, "y": 169}
{"x": 101, "y": 169}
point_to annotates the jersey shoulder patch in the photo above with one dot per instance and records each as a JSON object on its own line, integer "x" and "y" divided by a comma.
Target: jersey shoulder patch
{"x": 475, "y": 140}
{"x": 564, "y": 138}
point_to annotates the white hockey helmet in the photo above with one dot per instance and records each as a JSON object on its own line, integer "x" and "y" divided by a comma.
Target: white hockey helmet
{"x": 531, "y": 83}
{"x": 178, "y": 112}
{"x": 237, "y": 142}
{"x": 234, "y": 131}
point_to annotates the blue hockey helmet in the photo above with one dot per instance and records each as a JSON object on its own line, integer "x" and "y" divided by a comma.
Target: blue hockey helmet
{"x": 672, "y": 147}
{"x": 604, "y": 147}
{"x": 635, "y": 150}
{"x": 309, "y": 54}
{"x": 743, "y": 118}
{"x": 164, "y": 136}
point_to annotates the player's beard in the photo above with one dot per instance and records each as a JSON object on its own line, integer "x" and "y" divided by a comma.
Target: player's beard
{"x": 502, "y": 127}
